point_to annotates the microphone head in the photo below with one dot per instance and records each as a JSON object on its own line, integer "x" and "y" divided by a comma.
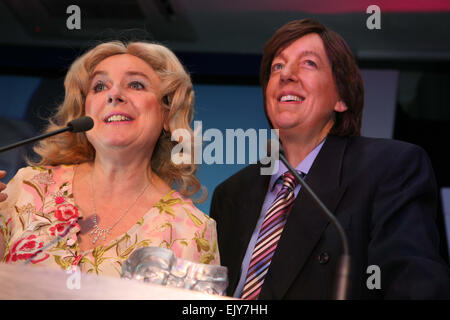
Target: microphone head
{"x": 81, "y": 124}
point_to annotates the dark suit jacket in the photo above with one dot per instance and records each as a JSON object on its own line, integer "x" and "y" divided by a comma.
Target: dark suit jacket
{"x": 384, "y": 194}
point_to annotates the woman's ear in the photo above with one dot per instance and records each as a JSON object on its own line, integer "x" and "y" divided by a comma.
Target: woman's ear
{"x": 165, "y": 100}
{"x": 166, "y": 111}
{"x": 166, "y": 126}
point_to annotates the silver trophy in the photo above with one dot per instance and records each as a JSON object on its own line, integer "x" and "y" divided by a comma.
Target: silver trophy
{"x": 160, "y": 266}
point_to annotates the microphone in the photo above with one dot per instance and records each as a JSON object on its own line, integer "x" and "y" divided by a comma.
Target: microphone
{"x": 81, "y": 124}
{"x": 344, "y": 262}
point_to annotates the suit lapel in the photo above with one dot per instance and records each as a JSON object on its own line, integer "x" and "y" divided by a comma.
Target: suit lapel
{"x": 306, "y": 222}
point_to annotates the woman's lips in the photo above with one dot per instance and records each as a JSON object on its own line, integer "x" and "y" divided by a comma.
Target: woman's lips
{"x": 117, "y": 118}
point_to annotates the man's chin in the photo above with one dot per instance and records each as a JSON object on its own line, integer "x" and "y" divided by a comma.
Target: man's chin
{"x": 285, "y": 124}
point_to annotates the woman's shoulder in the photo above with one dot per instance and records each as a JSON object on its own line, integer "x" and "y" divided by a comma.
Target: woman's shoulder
{"x": 177, "y": 204}
{"x": 42, "y": 174}
{"x": 30, "y": 170}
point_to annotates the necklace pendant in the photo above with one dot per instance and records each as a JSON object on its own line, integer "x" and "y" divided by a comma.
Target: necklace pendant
{"x": 99, "y": 232}
{"x": 95, "y": 233}
{"x": 106, "y": 231}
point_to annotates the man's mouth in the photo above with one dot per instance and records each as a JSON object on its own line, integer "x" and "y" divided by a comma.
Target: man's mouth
{"x": 290, "y": 98}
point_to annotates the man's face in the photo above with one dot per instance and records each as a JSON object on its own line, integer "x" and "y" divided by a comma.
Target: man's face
{"x": 301, "y": 95}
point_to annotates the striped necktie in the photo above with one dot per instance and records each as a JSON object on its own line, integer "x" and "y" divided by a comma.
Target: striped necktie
{"x": 268, "y": 237}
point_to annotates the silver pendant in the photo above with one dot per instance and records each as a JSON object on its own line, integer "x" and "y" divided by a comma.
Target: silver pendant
{"x": 99, "y": 232}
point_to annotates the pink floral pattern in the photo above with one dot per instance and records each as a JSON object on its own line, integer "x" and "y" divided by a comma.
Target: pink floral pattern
{"x": 27, "y": 248}
{"x": 40, "y": 207}
{"x": 58, "y": 229}
{"x": 66, "y": 212}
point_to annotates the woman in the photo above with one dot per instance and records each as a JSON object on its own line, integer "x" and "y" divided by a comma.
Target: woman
{"x": 107, "y": 192}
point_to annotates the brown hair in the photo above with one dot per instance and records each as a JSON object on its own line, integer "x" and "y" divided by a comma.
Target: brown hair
{"x": 343, "y": 65}
{"x": 176, "y": 96}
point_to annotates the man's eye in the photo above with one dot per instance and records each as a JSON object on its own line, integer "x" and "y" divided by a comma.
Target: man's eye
{"x": 99, "y": 86}
{"x": 310, "y": 63}
{"x": 277, "y": 66}
{"x": 136, "y": 85}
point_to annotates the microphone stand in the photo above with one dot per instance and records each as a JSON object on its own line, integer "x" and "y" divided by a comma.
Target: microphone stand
{"x": 33, "y": 139}
{"x": 77, "y": 125}
{"x": 344, "y": 262}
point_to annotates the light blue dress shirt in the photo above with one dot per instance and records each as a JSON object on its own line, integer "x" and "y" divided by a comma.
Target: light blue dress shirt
{"x": 304, "y": 167}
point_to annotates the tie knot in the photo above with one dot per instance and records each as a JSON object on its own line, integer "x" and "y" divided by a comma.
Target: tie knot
{"x": 289, "y": 180}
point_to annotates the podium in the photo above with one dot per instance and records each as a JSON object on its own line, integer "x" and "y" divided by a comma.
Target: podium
{"x": 22, "y": 282}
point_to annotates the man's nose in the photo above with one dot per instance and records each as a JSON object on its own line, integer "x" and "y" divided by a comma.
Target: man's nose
{"x": 289, "y": 73}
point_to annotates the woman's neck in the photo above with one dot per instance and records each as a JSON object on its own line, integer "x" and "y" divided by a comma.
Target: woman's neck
{"x": 113, "y": 178}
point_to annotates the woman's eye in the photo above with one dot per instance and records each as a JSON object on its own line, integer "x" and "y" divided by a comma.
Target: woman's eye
{"x": 99, "y": 86}
{"x": 136, "y": 85}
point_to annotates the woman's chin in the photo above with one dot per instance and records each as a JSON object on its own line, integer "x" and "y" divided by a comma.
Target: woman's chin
{"x": 117, "y": 144}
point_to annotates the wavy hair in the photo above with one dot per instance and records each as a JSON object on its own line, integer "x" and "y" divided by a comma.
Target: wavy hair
{"x": 176, "y": 96}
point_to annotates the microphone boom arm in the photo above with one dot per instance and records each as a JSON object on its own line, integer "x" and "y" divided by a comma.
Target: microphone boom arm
{"x": 43, "y": 136}
{"x": 81, "y": 124}
{"x": 344, "y": 263}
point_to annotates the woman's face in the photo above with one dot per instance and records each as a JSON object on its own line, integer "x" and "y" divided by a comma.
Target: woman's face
{"x": 123, "y": 101}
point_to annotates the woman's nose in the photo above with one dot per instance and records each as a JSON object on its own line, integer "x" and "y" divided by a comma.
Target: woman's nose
{"x": 115, "y": 97}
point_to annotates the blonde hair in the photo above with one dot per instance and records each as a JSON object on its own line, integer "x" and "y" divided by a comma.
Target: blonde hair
{"x": 176, "y": 96}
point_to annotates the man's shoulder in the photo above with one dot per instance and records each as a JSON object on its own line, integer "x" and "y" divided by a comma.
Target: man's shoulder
{"x": 242, "y": 178}
{"x": 380, "y": 154}
{"x": 382, "y": 146}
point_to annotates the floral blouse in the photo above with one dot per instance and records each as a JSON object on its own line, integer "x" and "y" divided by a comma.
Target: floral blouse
{"x": 40, "y": 207}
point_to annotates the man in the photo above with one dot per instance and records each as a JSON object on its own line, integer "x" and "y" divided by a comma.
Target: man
{"x": 383, "y": 192}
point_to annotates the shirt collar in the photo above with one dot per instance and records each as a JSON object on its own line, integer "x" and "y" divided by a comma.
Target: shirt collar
{"x": 303, "y": 166}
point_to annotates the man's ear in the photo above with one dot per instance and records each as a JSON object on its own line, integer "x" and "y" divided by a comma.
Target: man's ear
{"x": 340, "y": 106}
